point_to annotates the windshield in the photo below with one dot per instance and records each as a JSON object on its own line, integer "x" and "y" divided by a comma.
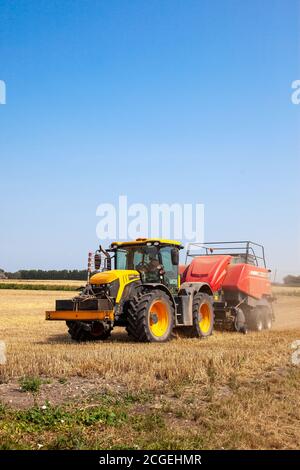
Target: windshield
{"x": 148, "y": 260}
{"x": 135, "y": 257}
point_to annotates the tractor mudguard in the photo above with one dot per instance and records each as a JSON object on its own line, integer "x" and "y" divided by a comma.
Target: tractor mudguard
{"x": 163, "y": 288}
{"x": 188, "y": 288}
{"x": 186, "y": 295}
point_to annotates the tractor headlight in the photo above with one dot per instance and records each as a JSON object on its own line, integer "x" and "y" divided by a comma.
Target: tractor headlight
{"x": 112, "y": 288}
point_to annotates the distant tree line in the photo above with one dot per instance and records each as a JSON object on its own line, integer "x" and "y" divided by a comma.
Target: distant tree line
{"x": 2, "y": 274}
{"x": 291, "y": 280}
{"x": 40, "y": 274}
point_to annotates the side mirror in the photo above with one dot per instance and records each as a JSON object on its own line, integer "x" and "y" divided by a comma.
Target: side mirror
{"x": 97, "y": 261}
{"x": 175, "y": 256}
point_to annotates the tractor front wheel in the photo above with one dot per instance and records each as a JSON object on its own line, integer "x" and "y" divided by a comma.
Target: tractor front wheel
{"x": 150, "y": 317}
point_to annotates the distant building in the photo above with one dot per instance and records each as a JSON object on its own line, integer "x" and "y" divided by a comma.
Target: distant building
{"x": 2, "y": 274}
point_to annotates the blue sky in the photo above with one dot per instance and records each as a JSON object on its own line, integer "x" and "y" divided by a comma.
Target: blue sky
{"x": 163, "y": 101}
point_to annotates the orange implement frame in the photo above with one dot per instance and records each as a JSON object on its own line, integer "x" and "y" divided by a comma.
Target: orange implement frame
{"x": 81, "y": 315}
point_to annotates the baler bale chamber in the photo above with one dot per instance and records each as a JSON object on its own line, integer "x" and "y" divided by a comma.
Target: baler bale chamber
{"x": 239, "y": 279}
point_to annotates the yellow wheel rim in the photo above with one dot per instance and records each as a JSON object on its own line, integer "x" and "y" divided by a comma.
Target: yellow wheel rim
{"x": 205, "y": 321}
{"x": 158, "y": 318}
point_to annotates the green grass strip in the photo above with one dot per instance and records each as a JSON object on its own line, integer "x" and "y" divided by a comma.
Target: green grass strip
{"x": 18, "y": 286}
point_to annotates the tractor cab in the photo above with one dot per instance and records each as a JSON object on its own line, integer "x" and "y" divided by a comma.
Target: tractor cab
{"x": 156, "y": 261}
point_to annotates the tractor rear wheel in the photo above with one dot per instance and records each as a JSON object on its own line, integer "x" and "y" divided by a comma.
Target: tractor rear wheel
{"x": 203, "y": 316}
{"x": 150, "y": 317}
{"x": 80, "y": 331}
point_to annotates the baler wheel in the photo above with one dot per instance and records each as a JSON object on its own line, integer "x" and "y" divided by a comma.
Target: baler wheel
{"x": 240, "y": 322}
{"x": 268, "y": 321}
{"x": 255, "y": 320}
{"x": 267, "y": 318}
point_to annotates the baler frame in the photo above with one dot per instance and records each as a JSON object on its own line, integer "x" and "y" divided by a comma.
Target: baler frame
{"x": 233, "y": 248}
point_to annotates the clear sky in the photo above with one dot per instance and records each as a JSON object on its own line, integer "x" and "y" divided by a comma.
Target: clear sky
{"x": 160, "y": 100}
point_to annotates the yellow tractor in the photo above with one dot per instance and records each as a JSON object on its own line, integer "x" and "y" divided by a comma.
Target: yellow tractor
{"x": 142, "y": 293}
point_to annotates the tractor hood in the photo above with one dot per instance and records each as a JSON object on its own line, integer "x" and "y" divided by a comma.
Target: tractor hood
{"x": 119, "y": 278}
{"x": 109, "y": 276}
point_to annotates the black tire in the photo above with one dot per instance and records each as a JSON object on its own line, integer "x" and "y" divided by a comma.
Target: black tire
{"x": 240, "y": 322}
{"x": 268, "y": 322}
{"x": 150, "y": 317}
{"x": 203, "y": 316}
{"x": 129, "y": 311}
{"x": 255, "y": 320}
{"x": 80, "y": 331}
{"x": 267, "y": 318}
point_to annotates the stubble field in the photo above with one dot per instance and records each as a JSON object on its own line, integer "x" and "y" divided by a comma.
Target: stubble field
{"x": 229, "y": 391}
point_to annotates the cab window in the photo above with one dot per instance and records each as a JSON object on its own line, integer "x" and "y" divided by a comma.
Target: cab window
{"x": 171, "y": 271}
